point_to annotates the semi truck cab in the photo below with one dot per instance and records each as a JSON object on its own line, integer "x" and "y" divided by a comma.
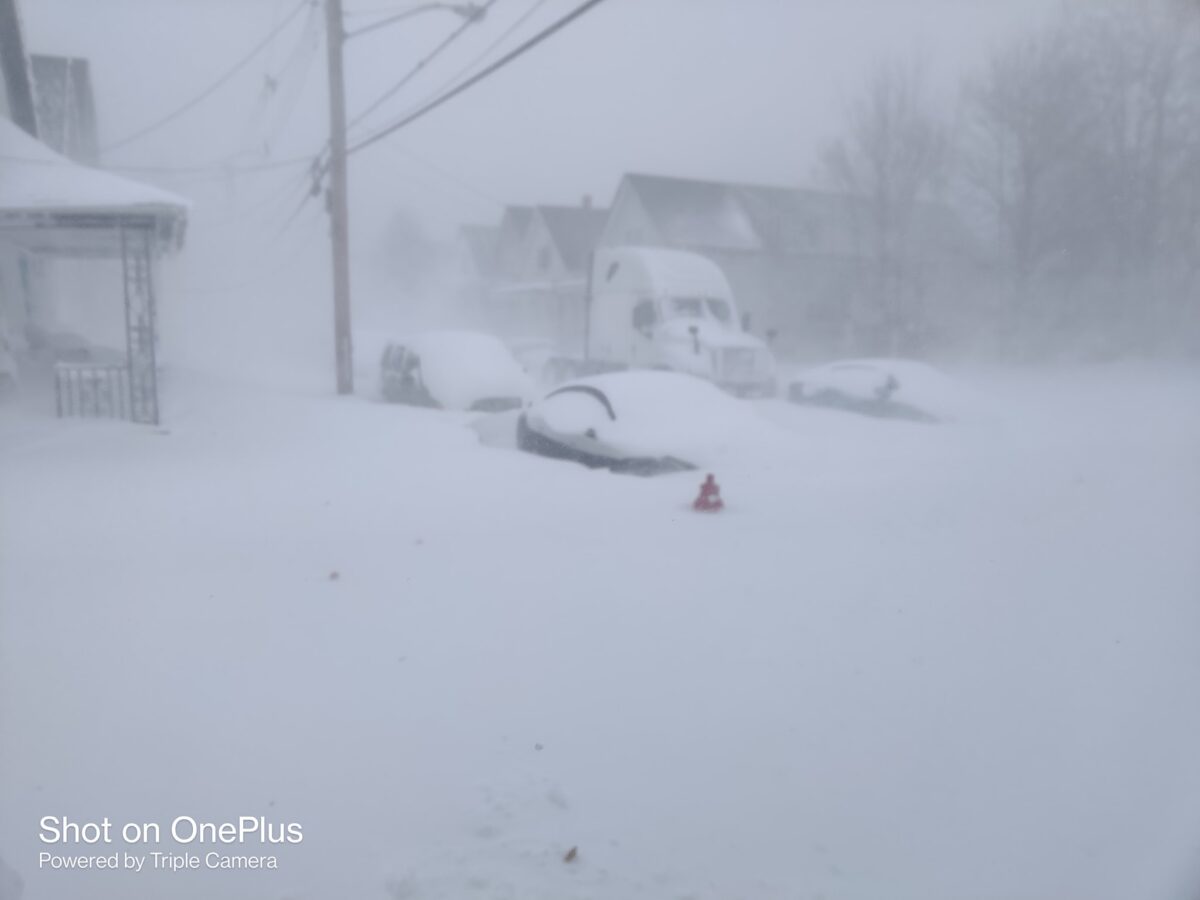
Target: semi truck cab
{"x": 671, "y": 309}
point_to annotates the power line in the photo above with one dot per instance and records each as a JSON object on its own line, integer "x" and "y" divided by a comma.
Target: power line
{"x": 218, "y": 168}
{"x": 320, "y": 165}
{"x": 377, "y": 10}
{"x": 290, "y": 103}
{"x": 420, "y": 66}
{"x": 487, "y": 51}
{"x": 478, "y": 77}
{"x": 278, "y": 96}
{"x": 449, "y": 176}
{"x": 271, "y": 204}
{"x": 216, "y": 85}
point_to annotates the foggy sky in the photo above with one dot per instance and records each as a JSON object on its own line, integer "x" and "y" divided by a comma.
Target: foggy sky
{"x": 706, "y": 88}
{"x": 724, "y": 89}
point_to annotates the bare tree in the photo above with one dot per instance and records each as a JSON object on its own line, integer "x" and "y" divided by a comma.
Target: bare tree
{"x": 1082, "y": 141}
{"x": 1025, "y": 128}
{"x": 1143, "y": 102}
{"x": 890, "y": 157}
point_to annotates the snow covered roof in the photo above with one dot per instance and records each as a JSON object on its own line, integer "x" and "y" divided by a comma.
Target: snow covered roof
{"x": 697, "y": 213}
{"x": 575, "y": 231}
{"x": 663, "y": 271}
{"x": 53, "y": 205}
{"x": 752, "y": 218}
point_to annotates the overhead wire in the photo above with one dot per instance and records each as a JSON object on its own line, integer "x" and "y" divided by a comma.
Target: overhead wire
{"x": 265, "y": 206}
{"x": 320, "y": 164}
{"x": 420, "y": 66}
{"x": 220, "y": 82}
{"x": 475, "y": 79}
{"x": 379, "y": 10}
{"x": 289, "y": 84}
{"x": 487, "y": 51}
{"x": 447, "y": 175}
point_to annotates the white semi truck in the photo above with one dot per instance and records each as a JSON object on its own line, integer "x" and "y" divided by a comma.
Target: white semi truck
{"x": 650, "y": 308}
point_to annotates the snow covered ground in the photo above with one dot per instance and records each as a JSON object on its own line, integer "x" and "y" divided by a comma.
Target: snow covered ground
{"x": 908, "y": 661}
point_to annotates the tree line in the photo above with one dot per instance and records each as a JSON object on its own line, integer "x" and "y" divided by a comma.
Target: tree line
{"x": 1071, "y": 164}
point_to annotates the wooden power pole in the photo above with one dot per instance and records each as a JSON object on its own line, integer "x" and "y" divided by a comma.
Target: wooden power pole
{"x": 339, "y": 217}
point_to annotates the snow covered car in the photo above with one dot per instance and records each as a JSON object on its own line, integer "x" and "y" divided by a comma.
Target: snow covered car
{"x": 887, "y": 388}
{"x": 534, "y": 355}
{"x": 636, "y": 422}
{"x": 455, "y": 370}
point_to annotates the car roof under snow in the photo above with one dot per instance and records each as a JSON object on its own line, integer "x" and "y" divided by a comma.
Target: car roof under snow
{"x": 665, "y": 413}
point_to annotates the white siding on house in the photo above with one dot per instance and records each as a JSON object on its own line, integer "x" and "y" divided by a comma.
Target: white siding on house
{"x": 544, "y": 261}
{"x": 628, "y": 223}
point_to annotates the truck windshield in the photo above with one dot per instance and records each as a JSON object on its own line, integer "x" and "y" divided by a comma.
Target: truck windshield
{"x": 719, "y": 310}
{"x": 701, "y": 307}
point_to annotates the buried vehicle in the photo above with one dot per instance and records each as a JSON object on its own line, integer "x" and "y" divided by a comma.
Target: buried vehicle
{"x": 885, "y": 388}
{"x": 455, "y": 370}
{"x": 635, "y": 422}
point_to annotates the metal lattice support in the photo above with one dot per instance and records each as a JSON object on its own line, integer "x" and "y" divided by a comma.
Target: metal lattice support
{"x": 137, "y": 257}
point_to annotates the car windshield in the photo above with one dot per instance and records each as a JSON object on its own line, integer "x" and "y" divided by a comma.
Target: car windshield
{"x": 719, "y": 310}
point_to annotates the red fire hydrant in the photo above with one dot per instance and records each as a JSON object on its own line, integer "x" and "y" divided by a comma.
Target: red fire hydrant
{"x": 709, "y": 499}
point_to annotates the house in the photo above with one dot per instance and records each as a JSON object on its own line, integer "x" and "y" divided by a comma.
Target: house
{"x": 530, "y": 271}
{"x": 800, "y": 261}
{"x": 66, "y": 107}
{"x": 55, "y": 217}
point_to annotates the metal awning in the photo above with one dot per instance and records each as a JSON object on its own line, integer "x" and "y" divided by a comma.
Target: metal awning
{"x": 56, "y": 208}
{"x": 52, "y": 206}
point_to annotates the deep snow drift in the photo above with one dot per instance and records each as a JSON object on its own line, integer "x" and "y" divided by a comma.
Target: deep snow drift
{"x": 908, "y": 661}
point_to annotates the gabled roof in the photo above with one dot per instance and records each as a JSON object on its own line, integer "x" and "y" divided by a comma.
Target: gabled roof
{"x": 516, "y": 219}
{"x": 511, "y": 232}
{"x": 696, "y": 213}
{"x": 779, "y": 220}
{"x": 575, "y": 231}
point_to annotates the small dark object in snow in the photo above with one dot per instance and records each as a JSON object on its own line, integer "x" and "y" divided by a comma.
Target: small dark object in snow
{"x": 571, "y": 854}
{"x": 709, "y": 499}
{"x": 334, "y": 575}
{"x": 537, "y": 746}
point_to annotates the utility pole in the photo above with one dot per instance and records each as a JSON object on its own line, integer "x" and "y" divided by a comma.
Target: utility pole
{"x": 339, "y": 217}
{"x": 337, "y": 199}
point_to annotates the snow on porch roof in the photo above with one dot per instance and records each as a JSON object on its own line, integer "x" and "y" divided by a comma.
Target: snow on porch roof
{"x": 53, "y": 205}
